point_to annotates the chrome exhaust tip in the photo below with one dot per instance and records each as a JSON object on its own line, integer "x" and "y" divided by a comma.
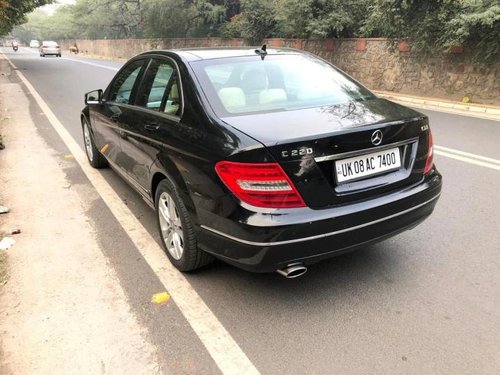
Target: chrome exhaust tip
{"x": 293, "y": 270}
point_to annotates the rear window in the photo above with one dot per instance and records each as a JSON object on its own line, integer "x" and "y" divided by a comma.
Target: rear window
{"x": 50, "y": 44}
{"x": 240, "y": 85}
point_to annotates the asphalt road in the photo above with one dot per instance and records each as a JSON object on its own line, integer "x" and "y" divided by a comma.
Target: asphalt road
{"x": 426, "y": 301}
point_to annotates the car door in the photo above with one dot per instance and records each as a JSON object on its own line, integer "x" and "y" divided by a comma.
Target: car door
{"x": 108, "y": 119}
{"x": 159, "y": 106}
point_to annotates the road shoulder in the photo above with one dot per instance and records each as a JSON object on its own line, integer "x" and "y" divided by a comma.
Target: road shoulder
{"x": 489, "y": 112}
{"x": 62, "y": 310}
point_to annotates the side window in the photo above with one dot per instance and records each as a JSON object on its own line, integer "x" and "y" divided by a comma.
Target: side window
{"x": 162, "y": 73}
{"x": 123, "y": 86}
{"x": 162, "y": 90}
{"x": 173, "y": 99}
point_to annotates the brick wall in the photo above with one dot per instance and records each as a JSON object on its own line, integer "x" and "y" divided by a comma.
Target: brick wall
{"x": 370, "y": 61}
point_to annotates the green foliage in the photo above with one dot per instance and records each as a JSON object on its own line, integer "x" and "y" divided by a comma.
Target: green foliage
{"x": 434, "y": 26}
{"x": 182, "y": 18}
{"x": 258, "y": 20}
{"x": 107, "y": 19}
{"x": 476, "y": 26}
{"x": 13, "y": 12}
{"x": 60, "y": 26}
{"x": 323, "y": 18}
{"x": 233, "y": 28}
{"x": 31, "y": 29}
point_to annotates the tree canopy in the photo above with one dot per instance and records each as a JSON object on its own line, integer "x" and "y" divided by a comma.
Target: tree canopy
{"x": 431, "y": 26}
{"x": 12, "y": 12}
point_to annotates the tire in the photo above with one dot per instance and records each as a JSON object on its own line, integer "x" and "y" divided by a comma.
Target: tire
{"x": 59, "y": 55}
{"x": 96, "y": 159}
{"x": 176, "y": 229}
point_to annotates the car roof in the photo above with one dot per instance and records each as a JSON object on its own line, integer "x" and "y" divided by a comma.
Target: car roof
{"x": 195, "y": 54}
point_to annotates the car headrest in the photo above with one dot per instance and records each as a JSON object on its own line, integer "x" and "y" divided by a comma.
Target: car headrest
{"x": 272, "y": 96}
{"x": 232, "y": 98}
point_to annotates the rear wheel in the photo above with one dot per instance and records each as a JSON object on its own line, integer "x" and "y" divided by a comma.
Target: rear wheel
{"x": 176, "y": 229}
{"x": 96, "y": 159}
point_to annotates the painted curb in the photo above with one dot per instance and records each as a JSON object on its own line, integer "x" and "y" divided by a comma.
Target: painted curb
{"x": 478, "y": 110}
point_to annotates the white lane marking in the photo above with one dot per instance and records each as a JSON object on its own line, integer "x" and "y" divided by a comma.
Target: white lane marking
{"x": 467, "y": 157}
{"x": 468, "y": 160}
{"x": 224, "y": 350}
{"x": 456, "y": 112}
{"x": 467, "y": 154}
{"x": 91, "y": 63}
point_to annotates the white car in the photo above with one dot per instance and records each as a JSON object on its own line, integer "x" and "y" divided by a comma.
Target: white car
{"x": 35, "y": 44}
{"x": 50, "y": 48}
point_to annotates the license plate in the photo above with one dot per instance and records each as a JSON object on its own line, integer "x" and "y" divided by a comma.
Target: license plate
{"x": 367, "y": 165}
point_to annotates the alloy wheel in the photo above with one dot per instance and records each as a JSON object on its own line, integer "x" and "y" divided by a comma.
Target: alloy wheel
{"x": 88, "y": 141}
{"x": 171, "y": 226}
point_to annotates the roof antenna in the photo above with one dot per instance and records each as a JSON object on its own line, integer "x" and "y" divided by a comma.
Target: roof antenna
{"x": 262, "y": 52}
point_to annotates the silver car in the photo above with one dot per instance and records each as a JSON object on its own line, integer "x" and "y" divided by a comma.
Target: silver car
{"x": 50, "y": 48}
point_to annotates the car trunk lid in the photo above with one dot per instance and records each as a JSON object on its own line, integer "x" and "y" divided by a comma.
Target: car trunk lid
{"x": 322, "y": 149}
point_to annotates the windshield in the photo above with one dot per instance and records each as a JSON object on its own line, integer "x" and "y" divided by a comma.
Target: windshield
{"x": 242, "y": 85}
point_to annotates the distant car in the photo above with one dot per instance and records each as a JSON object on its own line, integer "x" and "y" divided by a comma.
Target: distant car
{"x": 268, "y": 160}
{"x": 34, "y": 44}
{"x": 50, "y": 48}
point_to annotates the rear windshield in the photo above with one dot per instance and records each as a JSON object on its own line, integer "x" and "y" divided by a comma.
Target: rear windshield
{"x": 242, "y": 85}
{"x": 50, "y": 44}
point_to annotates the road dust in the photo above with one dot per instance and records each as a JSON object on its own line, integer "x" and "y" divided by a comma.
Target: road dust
{"x": 62, "y": 310}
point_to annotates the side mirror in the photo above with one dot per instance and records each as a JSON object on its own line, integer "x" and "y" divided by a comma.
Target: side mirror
{"x": 94, "y": 97}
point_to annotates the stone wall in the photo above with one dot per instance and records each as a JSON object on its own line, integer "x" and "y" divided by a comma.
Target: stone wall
{"x": 370, "y": 61}
{"x": 452, "y": 75}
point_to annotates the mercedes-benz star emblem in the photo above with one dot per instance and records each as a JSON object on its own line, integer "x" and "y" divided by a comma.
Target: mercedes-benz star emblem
{"x": 377, "y": 137}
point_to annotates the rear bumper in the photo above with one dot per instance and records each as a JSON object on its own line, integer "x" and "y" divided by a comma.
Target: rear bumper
{"x": 50, "y": 51}
{"x": 264, "y": 241}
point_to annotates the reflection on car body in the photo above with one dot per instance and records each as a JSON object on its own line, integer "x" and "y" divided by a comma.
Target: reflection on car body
{"x": 267, "y": 160}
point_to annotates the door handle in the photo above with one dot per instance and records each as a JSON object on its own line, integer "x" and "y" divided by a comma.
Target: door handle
{"x": 114, "y": 117}
{"x": 151, "y": 126}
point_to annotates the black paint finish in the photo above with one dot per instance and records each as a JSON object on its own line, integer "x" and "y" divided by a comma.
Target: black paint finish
{"x": 145, "y": 146}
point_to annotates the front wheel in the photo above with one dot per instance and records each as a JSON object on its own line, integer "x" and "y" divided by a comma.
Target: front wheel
{"x": 96, "y": 159}
{"x": 176, "y": 229}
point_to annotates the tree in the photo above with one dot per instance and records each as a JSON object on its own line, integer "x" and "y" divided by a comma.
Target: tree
{"x": 476, "y": 26}
{"x": 58, "y": 26}
{"x": 323, "y": 18}
{"x": 108, "y": 18}
{"x": 258, "y": 20}
{"x": 30, "y": 30}
{"x": 182, "y": 18}
{"x": 13, "y": 12}
{"x": 433, "y": 26}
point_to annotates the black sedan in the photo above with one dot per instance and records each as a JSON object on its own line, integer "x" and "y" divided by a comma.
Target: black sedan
{"x": 269, "y": 160}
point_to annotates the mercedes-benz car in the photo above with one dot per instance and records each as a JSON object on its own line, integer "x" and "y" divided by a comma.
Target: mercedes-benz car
{"x": 270, "y": 160}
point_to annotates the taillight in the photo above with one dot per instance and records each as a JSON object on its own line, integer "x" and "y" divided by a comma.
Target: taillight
{"x": 260, "y": 184}
{"x": 430, "y": 155}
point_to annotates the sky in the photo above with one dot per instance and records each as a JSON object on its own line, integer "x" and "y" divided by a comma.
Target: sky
{"x": 52, "y": 7}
